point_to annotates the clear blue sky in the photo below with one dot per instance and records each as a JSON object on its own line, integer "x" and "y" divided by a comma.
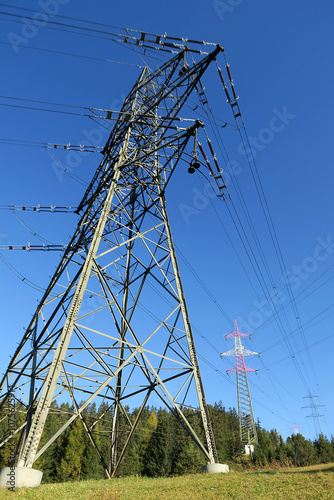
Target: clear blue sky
{"x": 280, "y": 58}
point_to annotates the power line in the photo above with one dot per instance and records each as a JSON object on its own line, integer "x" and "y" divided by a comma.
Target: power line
{"x": 273, "y": 307}
{"x": 266, "y": 211}
{"x": 20, "y": 276}
{"x": 63, "y": 53}
{"x": 163, "y": 43}
{"x": 108, "y": 113}
{"x": 28, "y": 247}
{"x": 38, "y": 208}
{"x": 282, "y": 331}
{"x": 282, "y": 309}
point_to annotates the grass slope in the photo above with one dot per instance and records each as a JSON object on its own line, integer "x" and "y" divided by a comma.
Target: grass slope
{"x": 314, "y": 482}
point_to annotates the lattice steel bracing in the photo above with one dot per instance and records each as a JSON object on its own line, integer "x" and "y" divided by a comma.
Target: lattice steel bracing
{"x": 246, "y": 418}
{"x": 113, "y": 323}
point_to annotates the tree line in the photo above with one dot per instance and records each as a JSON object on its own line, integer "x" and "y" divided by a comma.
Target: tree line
{"x": 159, "y": 447}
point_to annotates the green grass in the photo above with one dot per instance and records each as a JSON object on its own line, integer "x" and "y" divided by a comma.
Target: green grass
{"x": 314, "y": 482}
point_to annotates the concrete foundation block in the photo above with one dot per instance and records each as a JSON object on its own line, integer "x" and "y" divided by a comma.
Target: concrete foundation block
{"x": 215, "y": 468}
{"x": 20, "y": 477}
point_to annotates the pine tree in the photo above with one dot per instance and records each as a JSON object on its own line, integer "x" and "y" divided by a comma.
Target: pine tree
{"x": 147, "y": 430}
{"x": 185, "y": 456}
{"x": 91, "y": 463}
{"x": 49, "y": 461}
{"x": 132, "y": 462}
{"x": 301, "y": 450}
{"x": 71, "y": 464}
{"x": 156, "y": 460}
{"x": 323, "y": 449}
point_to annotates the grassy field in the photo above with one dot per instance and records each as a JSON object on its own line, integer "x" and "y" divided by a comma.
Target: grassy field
{"x": 315, "y": 482}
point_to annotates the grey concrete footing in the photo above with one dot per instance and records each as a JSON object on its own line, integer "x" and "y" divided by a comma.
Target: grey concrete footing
{"x": 19, "y": 477}
{"x": 215, "y": 468}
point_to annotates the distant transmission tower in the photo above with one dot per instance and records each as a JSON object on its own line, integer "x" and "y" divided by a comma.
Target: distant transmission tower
{"x": 113, "y": 323}
{"x": 314, "y": 414}
{"x": 295, "y": 428}
{"x": 246, "y": 419}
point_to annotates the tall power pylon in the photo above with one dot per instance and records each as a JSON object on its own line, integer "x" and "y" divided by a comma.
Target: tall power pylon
{"x": 314, "y": 412}
{"x": 246, "y": 418}
{"x": 113, "y": 323}
{"x": 295, "y": 428}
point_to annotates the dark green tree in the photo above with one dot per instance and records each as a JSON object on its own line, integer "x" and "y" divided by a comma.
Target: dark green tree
{"x": 49, "y": 461}
{"x": 156, "y": 460}
{"x": 186, "y": 457}
{"x": 71, "y": 464}
{"x": 300, "y": 450}
{"x": 323, "y": 449}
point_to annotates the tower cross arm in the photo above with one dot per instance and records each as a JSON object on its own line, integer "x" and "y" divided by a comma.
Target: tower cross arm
{"x": 232, "y": 352}
{"x": 246, "y": 352}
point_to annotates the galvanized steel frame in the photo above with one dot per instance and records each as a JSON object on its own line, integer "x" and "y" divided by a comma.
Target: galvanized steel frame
{"x": 122, "y": 249}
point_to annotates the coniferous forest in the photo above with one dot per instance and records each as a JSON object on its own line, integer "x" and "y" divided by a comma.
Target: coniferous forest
{"x": 159, "y": 446}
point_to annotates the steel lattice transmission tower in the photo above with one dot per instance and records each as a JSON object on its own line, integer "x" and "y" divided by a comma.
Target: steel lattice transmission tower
{"x": 113, "y": 323}
{"x": 314, "y": 415}
{"x": 246, "y": 418}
